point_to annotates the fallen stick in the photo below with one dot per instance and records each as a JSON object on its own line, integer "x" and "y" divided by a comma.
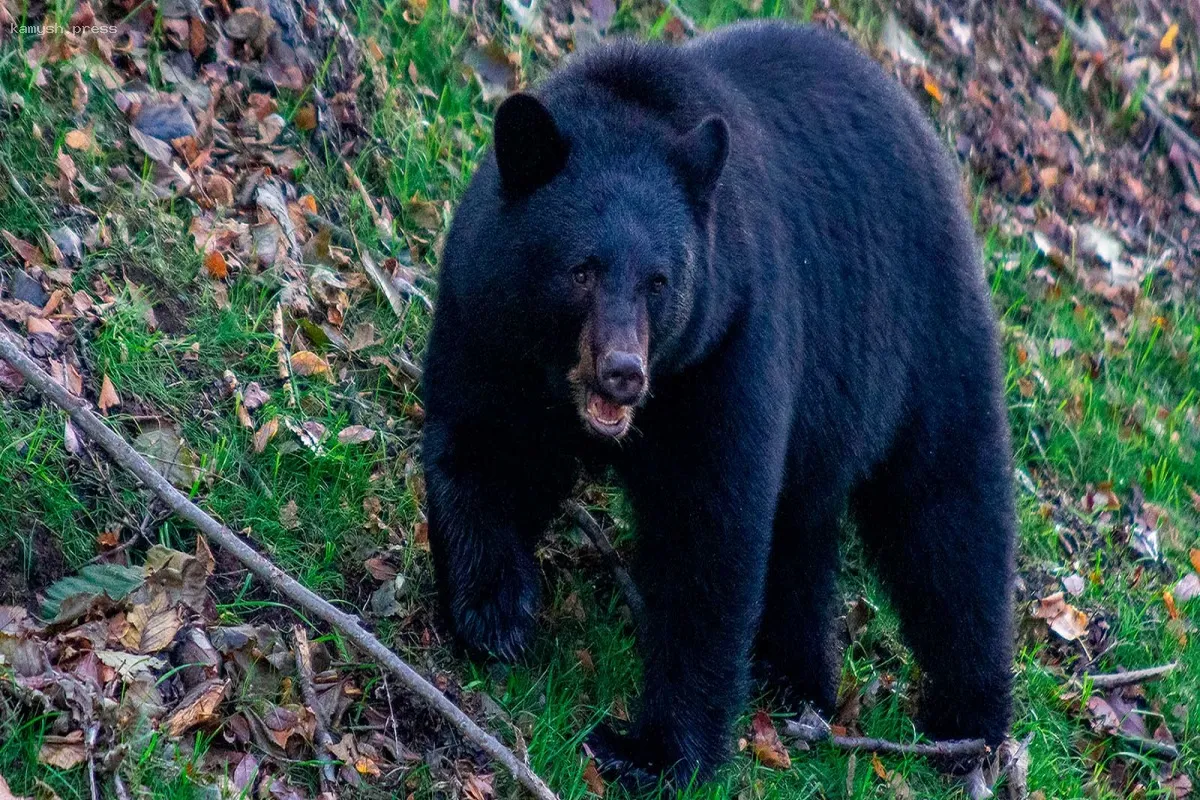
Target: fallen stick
{"x": 1088, "y": 42}
{"x": 312, "y": 603}
{"x": 322, "y": 739}
{"x": 587, "y": 523}
{"x": 1116, "y": 680}
{"x": 810, "y": 728}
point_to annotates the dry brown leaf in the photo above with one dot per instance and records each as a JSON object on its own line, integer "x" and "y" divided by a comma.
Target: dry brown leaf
{"x": 265, "y": 434}
{"x": 305, "y": 118}
{"x": 478, "y": 787}
{"x": 29, "y": 253}
{"x": 1195, "y": 557}
{"x": 591, "y": 776}
{"x": 198, "y": 707}
{"x": 355, "y": 434}
{"x": 108, "y": 395}
{"x": 36, "y": 325}
{"x": 1063, "y": 618}
{"x": 151, "y": 626}
{"x": 79, "y": 140}
{"x": 764, "y": 740}
{"x": 308, "y": 363}
{"x": 63, "y": 752}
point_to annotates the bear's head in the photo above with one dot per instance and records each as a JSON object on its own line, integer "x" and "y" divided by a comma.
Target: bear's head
{"x": 594, "y": 223}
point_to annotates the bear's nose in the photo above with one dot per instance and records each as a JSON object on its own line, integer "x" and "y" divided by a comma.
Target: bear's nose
{"x": 622, "y": 376}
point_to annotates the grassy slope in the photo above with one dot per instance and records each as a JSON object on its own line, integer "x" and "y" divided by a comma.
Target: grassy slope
{"x": 1077, "y": 428}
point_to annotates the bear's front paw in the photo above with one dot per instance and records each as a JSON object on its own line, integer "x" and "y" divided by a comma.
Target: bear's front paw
{"x": 621, "y": 758}
{"x": 494, "y": 616}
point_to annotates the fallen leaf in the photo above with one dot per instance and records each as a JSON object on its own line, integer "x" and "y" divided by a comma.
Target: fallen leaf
{"x": 1063, "y": 618}
{"x": 591, "y": 776}
{"x": 308, "y": 363}
{"x": 217, "y": 267}
{"x": 29, "y": 253}
{"x": 265, "y": 434}
{"x": 355, "y": 434}
{"x": 1169, "y": 602}
{"x": 289, "y": 515}
{"x": 198, "y": 707}
{"x": 79, "y": 140}
{"x": 1195, "y": 558}
{"x": 768, "y": 748}
{"x": 305, "y": 118}
{"x": 151, "y": 627}
{"x": 63, "y": 752}
{"x": 1167, "y": 42}
{"x": 108, "y": 395}
{"x": 932, "y": 89}
{"x": 478, "y": 787}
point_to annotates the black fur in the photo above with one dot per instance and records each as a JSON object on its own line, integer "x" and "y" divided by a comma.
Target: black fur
{"x": 772, "y": 219}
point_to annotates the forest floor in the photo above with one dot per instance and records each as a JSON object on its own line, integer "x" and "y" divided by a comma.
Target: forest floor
{"x": 191, "y": 197}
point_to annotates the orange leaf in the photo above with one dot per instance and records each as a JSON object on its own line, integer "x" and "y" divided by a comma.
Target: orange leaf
{"x": 1169, "y": 602}
{"x": 218, "y": 268}
{"x": 308, "y": 203}
{"x": 108, "y": 395}
{"x": 1167, "y": 43}
{"x": 932, "y": 88}
{"x": 768, "y": 749}
{"x": 877, "y": 765}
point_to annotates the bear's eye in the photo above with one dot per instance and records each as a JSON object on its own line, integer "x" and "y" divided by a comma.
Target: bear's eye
{"x": 658, "y": 283}
{"x": 582, "y": 275}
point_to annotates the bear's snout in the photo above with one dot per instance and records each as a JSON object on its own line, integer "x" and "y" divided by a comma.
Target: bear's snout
{"x": 622, "y": 376}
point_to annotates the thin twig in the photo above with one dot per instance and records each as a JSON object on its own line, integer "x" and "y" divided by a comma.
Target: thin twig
{"x": 1116, "y": 680}
{"x": 1096, "y": 47}
{"x": 304, "y": 598}
{"x": 811, "y": 728}
{"x": 321, "y": 737}
{"x": 89, "y": 744}
{"x": 587, "y": 523}
{"x": 1150, "y": 747}
{"x": 381, "y": 225}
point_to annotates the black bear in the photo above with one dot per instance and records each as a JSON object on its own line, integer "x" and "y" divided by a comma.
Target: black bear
{"x": 740, "y": 273}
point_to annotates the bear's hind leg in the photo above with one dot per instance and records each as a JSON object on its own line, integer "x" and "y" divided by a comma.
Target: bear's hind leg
{"x": 797, "y": 647}
{"x": 937, "y": 520}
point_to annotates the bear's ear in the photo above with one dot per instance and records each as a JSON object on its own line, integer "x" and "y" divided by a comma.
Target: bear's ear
{"x": 700, "y": 155}
{"x": 529, "y": 148}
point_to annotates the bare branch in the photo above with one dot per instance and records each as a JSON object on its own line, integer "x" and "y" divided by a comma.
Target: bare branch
{"x": 811, "y": 728}
{"x": 1116, "y": 680}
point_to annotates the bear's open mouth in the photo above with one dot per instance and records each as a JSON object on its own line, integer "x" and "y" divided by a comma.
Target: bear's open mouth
{"x": 606, "y": 417}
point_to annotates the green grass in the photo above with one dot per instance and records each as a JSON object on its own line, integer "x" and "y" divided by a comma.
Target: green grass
{"x": 1131, "y": 420}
